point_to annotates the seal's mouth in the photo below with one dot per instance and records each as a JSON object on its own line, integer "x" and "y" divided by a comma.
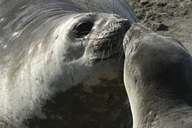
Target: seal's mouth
{"x": 111, "y": 56}
{"x": 109, "y": 48}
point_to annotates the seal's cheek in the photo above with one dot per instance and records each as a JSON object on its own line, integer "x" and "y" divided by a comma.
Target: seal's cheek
{"x": 73, "y": 52}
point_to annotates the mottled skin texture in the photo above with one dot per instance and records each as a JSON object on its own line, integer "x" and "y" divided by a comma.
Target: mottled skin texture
{"x": 38, "y": 67}
{"x": 157, "y": 76}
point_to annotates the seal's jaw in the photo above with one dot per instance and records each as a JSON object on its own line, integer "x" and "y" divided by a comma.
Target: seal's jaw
{"x": 104, "y": 49}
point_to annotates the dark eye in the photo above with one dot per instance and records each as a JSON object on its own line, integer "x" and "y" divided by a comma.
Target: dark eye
{"x": 82, "y": 28}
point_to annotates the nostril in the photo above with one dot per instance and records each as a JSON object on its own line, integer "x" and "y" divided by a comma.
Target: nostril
{"x": 126, "y": 24}
{"x": 83, "y": 28}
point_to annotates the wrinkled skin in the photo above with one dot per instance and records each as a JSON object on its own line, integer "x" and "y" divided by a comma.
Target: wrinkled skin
{"x": 157, "y": 77}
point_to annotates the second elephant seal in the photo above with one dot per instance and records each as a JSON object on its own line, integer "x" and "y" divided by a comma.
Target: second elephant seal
{"x": 157, "y": 77}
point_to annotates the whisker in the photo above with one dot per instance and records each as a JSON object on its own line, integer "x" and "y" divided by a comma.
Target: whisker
{"x": 103, "y": 56}
{"x": 121, "y": 53}
{"x": 113, "y": 6}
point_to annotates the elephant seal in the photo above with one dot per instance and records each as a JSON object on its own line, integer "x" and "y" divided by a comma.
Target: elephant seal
{"x": 48, "y": 46}
{"x": 157, "y": 77}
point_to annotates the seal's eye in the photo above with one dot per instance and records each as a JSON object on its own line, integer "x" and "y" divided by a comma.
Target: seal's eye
{"x": 82, "y": 28}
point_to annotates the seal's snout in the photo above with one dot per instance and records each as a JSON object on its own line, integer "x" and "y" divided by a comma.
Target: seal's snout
{"x": 105, "y": 32}
{"x": 112, "y": 34}
{"x": 124, "y": 23}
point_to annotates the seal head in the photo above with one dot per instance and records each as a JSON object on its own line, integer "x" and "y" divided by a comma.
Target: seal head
{"x": 157, "y": 76}
{"x": 46, "y": 58}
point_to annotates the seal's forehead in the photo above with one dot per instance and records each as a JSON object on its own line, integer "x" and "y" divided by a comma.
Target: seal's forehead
{"x": 95, "y": 16}
{"x": 78, "y": 17}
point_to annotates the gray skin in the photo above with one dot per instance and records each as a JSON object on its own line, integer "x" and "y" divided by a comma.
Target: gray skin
{"x": 47, "y": 47}
{"x": 157, "y": 77}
